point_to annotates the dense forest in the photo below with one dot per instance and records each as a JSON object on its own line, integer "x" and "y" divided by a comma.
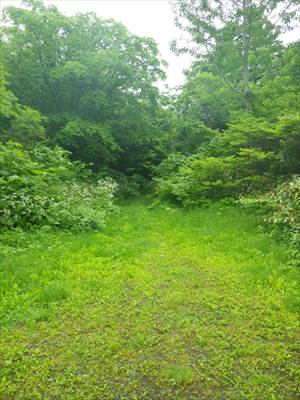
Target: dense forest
{"x": 85, "y": 130}
{"x": 82, "y": 88}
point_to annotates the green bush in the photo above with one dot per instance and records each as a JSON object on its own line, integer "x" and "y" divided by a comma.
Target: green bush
{"x": 281, "y": 209}
{"x": 169, "y": 183}
{"x": 90, "y": 142}
{"x": 170, "y": 165}
{"x": 289, "y": 133}
{"x": 83, "y": 206}
{"x": 38, "y": 188}
{"x": 20, "y": 123}
{"x": 194, "y": 180}
{"x": 250, "y": 156}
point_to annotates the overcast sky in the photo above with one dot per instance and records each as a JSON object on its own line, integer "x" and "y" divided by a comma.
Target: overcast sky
{"x": 153, "y": 18}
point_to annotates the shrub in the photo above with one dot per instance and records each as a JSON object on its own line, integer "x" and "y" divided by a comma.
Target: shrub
{"x": 172, "y": 189}
{"x": 20, "y": 123}
{"x": 84, "y": 206}
{"x": 89, "y": 142}
{"x": 38, "y": 188}
{"x": 281, "y": 209}
{"x": 289, "y": 132}
{"x": 195, "y": 179}
{"x": 170, "y": 183}
{"x": 248, "y": 157}
{"x": 170, "y": 165}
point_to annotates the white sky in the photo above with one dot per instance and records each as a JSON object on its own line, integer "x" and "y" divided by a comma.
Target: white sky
{"x": 153, "y": 18}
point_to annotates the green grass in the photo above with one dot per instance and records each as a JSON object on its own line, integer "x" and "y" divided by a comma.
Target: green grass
{"x": 162, "y": 304}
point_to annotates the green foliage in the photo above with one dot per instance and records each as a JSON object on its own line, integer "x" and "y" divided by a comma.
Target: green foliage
{"x": 19, "y": 123}
{"x": 249, "y": 156}
{"x": 170, "y": 183}
{"x": 282, "y": 211}
{"x": 238, "y": 41}
{"x": 289, "y": 131}
{"x": 92, "y": 78}
{"x": 246, "y": 131}
{"x": 274, "y": 97}
{"x": 129, "y": 186}
{"x": 38, "y": 189}
{"x": 89, "y": 142}
{"x": 28, "y": 127}
{"x": 205, "y": 97}
{"x": 83, "y": 206}
{"x": 243, "y": 159}
{"x": 214, "y": 299}
{"x": 7, "y": 99}
{"x": 170, "y": 165}
{"x": 191, "y": 135}
{"x": 232, "y": 130}
{"x": 284, "y": 203}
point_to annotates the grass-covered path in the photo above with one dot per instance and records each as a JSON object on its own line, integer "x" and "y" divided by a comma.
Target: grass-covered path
{"x": 163, "y": 304}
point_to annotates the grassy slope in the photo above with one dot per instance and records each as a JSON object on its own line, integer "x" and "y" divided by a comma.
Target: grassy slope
{"x": 161, "y": 305}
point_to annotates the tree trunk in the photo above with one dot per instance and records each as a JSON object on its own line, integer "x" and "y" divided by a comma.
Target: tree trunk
{"x": 245, "y": 52}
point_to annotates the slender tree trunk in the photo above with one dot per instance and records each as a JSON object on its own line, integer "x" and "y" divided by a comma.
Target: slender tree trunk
{"x": 246, "y": 46}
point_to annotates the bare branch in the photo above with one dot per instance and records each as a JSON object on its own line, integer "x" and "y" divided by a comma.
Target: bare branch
{"x": 283, "y": 12}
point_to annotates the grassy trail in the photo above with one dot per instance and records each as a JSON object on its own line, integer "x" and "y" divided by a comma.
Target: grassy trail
{"x": 163, "y": 304}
